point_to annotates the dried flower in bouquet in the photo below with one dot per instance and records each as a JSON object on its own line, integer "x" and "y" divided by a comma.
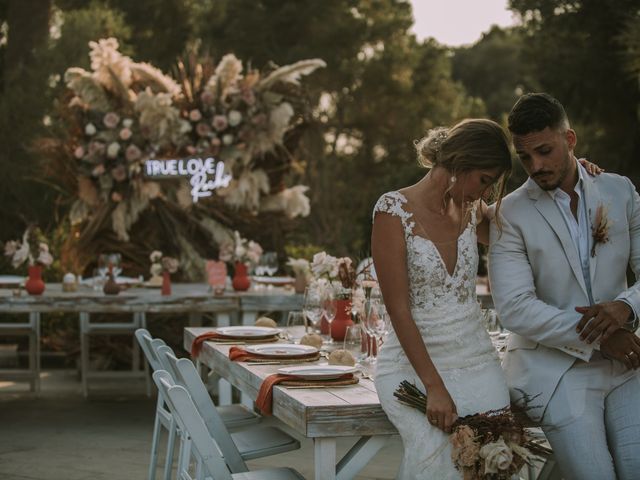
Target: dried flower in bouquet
{"x": 489, "y": 445}
{"x": 239, "y": 249}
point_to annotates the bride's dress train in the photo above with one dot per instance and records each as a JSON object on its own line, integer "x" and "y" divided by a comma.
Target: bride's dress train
{"x": 448, "y": 316}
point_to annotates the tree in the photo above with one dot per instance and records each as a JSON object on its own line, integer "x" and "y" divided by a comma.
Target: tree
{"x": 576, "y": 53}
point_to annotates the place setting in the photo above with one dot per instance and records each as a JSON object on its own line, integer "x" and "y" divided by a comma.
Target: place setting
{"x": 236, "y": 335}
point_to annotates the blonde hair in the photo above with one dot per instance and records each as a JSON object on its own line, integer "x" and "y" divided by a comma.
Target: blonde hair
{"x": 472, "y": 144}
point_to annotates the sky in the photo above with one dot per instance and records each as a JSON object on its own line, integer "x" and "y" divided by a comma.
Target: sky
{"x": 458, "y": 22}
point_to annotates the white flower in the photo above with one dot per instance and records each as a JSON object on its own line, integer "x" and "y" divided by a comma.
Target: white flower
{"x": 10, "y": 248}
{"x": 43, "y": 247}
{"x": 44, "y": 258}
{"x": 300, "y": 266}
{"x": 155, "y": 256}
{"x": 125, "y": 134}
{"x": 254, "y": 252}
{"x": 226, "y": 252}
{"x": 127, "y": 123}
{"x": 219, "y": 122}
{"x": 323, "y": 264}
{"x": 21, "y": 254}
{"x": 113, "y": 149}
{"x": 90, "y": 129}
{"x": 227, "y": 139}
{"x": 235, "y": 117}
{"x": 497, "y": 456}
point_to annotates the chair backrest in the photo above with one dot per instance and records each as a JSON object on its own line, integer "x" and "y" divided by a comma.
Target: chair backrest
{"x": 192, "y": 424}
{"x": 149, "y": 346}
{"x": 185, "y": 374}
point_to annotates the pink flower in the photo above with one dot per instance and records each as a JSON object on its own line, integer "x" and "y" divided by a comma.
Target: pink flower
{"x": 191, "y": 150}
{"x": 111, "y": 120}
{"x": 219, "y": 122}
{"x": 78, "y": 152}
{"x": 195, "y": 115}
{"x": 203, "y": 129}
{"x": 125, "y": 134}
{"x": 132, "y": 153}
{"x": 119, "y": 173}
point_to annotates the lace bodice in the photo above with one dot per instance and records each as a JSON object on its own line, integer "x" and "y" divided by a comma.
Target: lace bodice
{"x": 444, "y": 306}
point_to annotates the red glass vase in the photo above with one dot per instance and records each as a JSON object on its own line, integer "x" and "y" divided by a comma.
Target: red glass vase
{"x": 166, "y": 283}
{"x": 34, "y": 284}
{"x": 342, "y": 320}
{"x": 241, "y": 281}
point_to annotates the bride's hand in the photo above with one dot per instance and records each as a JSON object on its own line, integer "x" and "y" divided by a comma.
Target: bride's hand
{"x": 441, "y": 411}
{"x": 591, "y": 168}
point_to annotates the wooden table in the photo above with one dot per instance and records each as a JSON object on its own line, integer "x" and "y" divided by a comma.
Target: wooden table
{"x": 320, "y": 414}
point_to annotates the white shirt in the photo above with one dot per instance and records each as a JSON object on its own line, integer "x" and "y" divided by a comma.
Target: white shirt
{"x": 578, "y": 228}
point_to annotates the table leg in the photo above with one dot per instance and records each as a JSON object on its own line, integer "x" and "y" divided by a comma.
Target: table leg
{"x": 325, "y": 458}
{"x": 359, "y": 455}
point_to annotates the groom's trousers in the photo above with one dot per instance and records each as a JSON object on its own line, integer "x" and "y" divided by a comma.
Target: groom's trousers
{"x": 593, "y": 421}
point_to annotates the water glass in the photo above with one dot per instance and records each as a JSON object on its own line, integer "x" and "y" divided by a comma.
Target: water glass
{"x": 353, "y": 342}
{"x": 329, "y": 309}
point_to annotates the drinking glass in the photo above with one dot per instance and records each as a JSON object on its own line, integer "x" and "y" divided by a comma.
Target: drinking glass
{"x": 312, "y": 307}
{"x": 329, "y": 308}
{"x": 491, "y": 322}
{"x": 353, "y": 341}
{"x": 296, "y": 325}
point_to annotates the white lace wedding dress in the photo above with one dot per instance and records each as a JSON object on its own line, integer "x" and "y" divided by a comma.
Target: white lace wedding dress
{"x": 447, "y": 313}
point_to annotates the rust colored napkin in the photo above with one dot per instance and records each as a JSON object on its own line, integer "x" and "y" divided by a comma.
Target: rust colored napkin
{"x": 265, "y": 395}
{"x": 196, "y": 346}
{"x": 237, "y": 354}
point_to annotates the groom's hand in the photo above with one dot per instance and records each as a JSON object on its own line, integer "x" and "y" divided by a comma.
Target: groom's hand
{"x": 602, "y": 319}
{"x": 623, "y": 346}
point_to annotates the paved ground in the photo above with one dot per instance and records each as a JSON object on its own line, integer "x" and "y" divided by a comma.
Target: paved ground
{"x": 61, "y": 436}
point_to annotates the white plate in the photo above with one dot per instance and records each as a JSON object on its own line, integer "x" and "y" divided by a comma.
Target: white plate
{"x": 120, "y": 280}
{"x": 318, "y": 372}
{"x": 281, "y": 350}
{"x": 244, "y": 332}
{"x": 11, "y": 280}
{"x": 273, "y": 280}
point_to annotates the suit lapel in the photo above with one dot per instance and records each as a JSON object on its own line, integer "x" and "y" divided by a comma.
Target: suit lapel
{"x": 549, "y": 210}
{"x": 592, "y": 201}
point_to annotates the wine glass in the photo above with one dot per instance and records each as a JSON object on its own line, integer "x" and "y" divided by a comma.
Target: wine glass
{"x": 296, "y": 325}
{"x": 312, "y": 306}
{"x": 115, "y": 260}
{"x": 329, "y": 308}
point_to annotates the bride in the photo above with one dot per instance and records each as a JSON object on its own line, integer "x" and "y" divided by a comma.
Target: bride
{"x": 424, "y": 246}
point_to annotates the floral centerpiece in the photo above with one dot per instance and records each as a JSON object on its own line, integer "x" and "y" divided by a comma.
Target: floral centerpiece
{"x": 161, "y": 269}
{"x": 33, "y": 250}
{"x": 242, "y": 253}
{"x": 121, "y": 113}
{"x": 301, "y": 271}
{"x": 489, "y": 445}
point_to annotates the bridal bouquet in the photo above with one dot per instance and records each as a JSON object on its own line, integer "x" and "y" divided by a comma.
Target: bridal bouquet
{"x": 490, "y": 445}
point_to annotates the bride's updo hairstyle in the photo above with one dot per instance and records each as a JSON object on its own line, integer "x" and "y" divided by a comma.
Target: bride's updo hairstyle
{"x": 473, "y": 144}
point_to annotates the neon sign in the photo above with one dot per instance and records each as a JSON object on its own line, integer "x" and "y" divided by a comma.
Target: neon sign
{"x": 197, "y": 168}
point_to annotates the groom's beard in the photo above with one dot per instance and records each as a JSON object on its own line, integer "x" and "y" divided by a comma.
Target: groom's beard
{"x": 545, "y": 178}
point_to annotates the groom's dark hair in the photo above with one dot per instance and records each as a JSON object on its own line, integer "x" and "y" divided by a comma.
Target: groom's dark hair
{"x": 534, "y": 112}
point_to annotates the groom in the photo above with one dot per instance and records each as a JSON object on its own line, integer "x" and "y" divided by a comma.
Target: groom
{"x": 558, "y": 259}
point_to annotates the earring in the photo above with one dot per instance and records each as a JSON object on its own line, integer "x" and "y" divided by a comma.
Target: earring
{"x": 453, "y": 179}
